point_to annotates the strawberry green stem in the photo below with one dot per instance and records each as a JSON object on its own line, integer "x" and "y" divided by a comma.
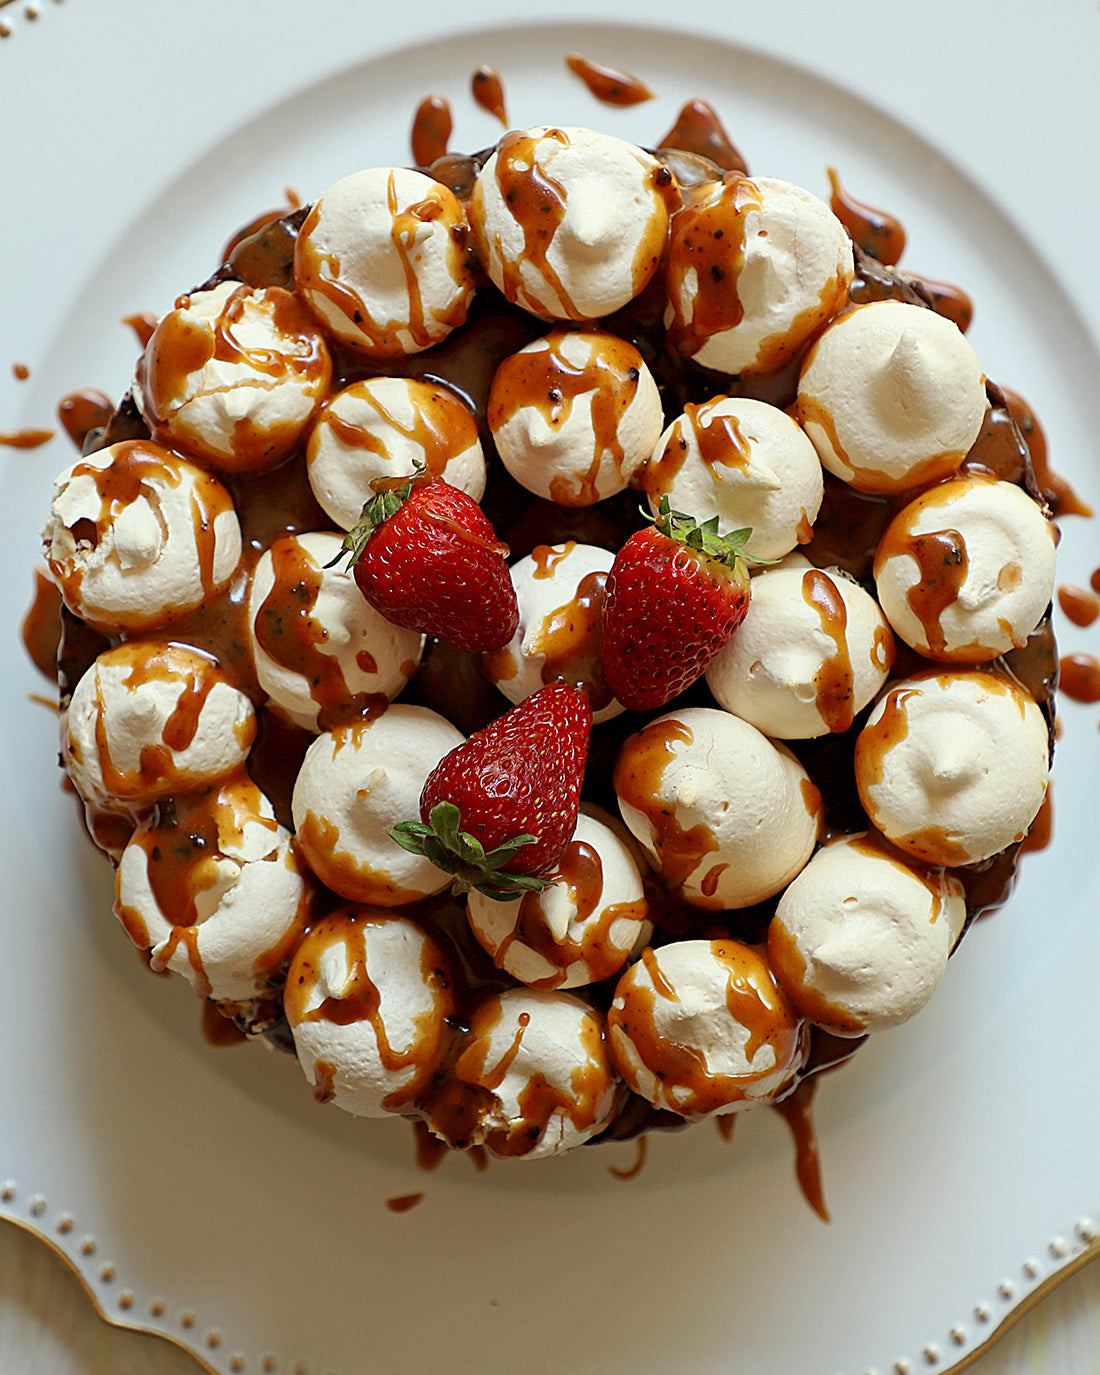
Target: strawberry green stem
{"x": 390, "y": 494}
{"x": 703, "y": 539}
{"x": 443, "y": 841}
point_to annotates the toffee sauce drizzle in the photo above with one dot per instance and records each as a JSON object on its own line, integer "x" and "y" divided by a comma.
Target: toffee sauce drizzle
{"x": 25, "y": 439}
{"x": 487, "y": 89}
{"x": 608, "y": 84}
{"x": 846, "y": 533}
{"x": 1079, "y": 606}
{"x": 431, "y": 130}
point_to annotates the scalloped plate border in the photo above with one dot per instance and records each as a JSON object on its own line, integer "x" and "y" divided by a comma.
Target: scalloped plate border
{"x": 119, "y": 1303}
{"x": 14, "y": 13}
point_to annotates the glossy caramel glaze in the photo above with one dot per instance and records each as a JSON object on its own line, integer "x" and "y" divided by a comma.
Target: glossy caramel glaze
{"x": 25, "y": 439}
{"x": 876, "y": 232}
{"x": 608, "y": 84}
{"x": 487, "y": 88}
{"x": 1078, "y": 605}
{"x": 1079, "y": 677}
{"x": 431, "y": 130}
{"x": 83, "y": 411}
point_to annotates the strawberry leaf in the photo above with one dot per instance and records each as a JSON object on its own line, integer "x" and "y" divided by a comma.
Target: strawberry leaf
{"x": 705, "y": 539}
{"x": 390, "y": 494}
{"x": 443, "y": 841}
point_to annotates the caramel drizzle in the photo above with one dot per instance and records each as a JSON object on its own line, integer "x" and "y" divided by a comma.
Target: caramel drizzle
{"x": 548, "y": 556}
{"x": 753, "y": 1001}
{"x": 360, "y": 1001}
{"x": 143, "y": 323}
{"x": 656, "y": 976}
{"x": 632, "y": 1171}
{"x": 945, "y": 298}
{"x": 1061, "y": 497}
{"x": 877, "y": 738}
{"x": 538, "y": 204}
{"x": 699, "y": 130}
{"x": 406, "y": 226}
{"x": 1078, "y": 605}
{"x": 711, "y": 242}
{"x": 569, "y": 640}
{"x": 1079, "y": 677}
{"x": 580, "y": 1101}
{"x": 182, "y": 854}
{"x": 383, "y": 337}
{"x": 874, "y": 231}
{"x": 431, "y": 130}
{"x": 487, "y": 89}
{"x": 795, "y": 1110}
{"x": 403, "y": 1203}
{"x": 441, "y": 426}
{"x": 608, "y": 84}
{"x": 182, "y": 347}
{"x": 833, "y": 680}
{"x": 81, "y": 412}
{"x": 288, "y": 631}
{"x": 718, "y": 438}
{"x": 156, "y": 759}
{"x": 285, "y": 626}
{"x": 721, "y": 443}
{"x": 25, "y": 439}
{"x": 588, "y": 940}
{"x": 1042, "y": 828}
{"x": 41, "y": 626}
{"x": 942, "y": 564}
{"x": 183, "y": 843}
{"x": 638, "y": 775}
{"x": 546, "y": 380}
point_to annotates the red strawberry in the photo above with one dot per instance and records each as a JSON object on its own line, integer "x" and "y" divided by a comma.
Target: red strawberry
{"x": 426, "y": 557}
{"x": 501, "y": 807}
{"x": 675, "y": 594}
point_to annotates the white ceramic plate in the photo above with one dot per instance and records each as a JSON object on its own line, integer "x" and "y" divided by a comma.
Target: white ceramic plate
{"x": 202, "y": 1193}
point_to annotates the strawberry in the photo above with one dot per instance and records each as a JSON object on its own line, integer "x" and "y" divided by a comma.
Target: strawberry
{"x": 426, "y": 557}
{"x": 675, "y": 594}
{"x": 501, "y": 807}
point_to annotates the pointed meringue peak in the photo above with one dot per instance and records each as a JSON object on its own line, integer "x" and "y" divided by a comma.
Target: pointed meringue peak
{"x": 762, "y": 476}
{"x": 966, "y": 773}
{"x": 589, "y": 226}
{"x": 917, "y": 383}
{"x": 951, "y": 765}
{"x": 602, "y": 216}
{"x": 844, "y": 953}
{"x": 773, "y": 283}
{"x": 892, "y": 396}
